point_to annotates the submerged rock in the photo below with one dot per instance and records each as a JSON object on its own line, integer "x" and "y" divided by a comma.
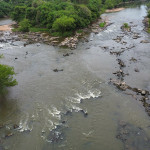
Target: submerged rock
{"x": 133, "y": 138}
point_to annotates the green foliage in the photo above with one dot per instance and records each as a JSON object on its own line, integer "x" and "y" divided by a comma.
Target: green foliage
{"x": 148, "y": 14}
{"x": 80, "y": 31}
{"x": 5, "y": 9}
{"x": 94, "y": 6}
{"x": 102, "y": 24}
{"x": 34, "y": 29}
{"x": 31, "y": 14}
{"x": 19, "y": 13}
{"x": 59, "y": 16}
{"x": 24, "y": 25}
{"x": 64, "y": 24}
{"x": 6, "y": 77}
{"x": 126, "y": 25}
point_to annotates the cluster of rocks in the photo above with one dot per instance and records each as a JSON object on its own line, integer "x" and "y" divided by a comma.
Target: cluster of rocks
{"x": 7, "y": 132}
{"x": 71, "y": 42}
{"x": 138, "y": 94}
{"x": 34, "y": 37}
{"x": 8, "y": 37}
{"x": 95, "y": 28}
{"x": 136, "y": 36}
{"x": 118, "y": 39}
{"x": 146, "y": 24}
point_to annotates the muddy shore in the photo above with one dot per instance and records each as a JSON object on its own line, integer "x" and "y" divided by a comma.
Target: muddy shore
{"x": 114, "y": 10}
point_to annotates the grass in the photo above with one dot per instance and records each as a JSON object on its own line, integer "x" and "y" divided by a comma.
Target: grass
{"x": 102, "y": 24}
{"x": 79, "y": 31}
{"x": 33, "y": 29}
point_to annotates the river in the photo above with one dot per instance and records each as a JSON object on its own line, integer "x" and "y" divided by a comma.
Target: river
{"x": 77, "y": 108}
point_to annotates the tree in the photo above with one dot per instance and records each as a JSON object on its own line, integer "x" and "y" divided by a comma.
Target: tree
{"x": 64, "y": 24}
{"x": 6, "y": 77}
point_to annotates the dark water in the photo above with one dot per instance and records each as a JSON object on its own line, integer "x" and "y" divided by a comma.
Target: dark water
{"x": 50, "y": 107}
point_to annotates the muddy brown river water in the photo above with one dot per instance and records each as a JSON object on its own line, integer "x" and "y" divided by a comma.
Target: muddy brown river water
{"x": 77, "y": 108}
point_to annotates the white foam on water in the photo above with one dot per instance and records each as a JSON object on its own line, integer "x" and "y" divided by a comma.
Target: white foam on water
{"x": 55, "y": 112}
{"x": 23, "y": 125}
{"x": 72, "y": 108}
{"x": 81, "y": 96}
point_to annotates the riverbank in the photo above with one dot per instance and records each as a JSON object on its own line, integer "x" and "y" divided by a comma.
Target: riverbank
{"x": 70, "y": 42}
{"x": 146, "y": 24}
{"x": 114, "y": 10}
{"x": 5, "y": 28}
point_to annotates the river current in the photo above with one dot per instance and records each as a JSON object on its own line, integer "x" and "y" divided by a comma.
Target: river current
{"x": 77, "y": 108}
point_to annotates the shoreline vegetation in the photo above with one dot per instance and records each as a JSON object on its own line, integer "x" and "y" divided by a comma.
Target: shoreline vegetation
{"x": 146, "y": 20}
{"x": 57, "y": 17}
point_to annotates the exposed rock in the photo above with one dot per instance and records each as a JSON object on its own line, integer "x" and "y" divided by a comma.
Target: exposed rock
{"x": 57, "y": 70}
{"x": 136, "y": 70}
{"x": 85, "y": 113}
{"x": 121, "y": 63}
{"x": 67, "y": 54}
{"x": 8, "y": 135}
{"x": 117, "y": 53}
{"x": 144, "y": 41}
{"x": 133, "y": 59}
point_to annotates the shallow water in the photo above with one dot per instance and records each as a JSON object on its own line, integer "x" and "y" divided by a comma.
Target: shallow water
{"x": 50, "y": 107}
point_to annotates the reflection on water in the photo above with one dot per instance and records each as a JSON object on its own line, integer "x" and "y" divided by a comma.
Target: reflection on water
{"x": 76, "y": 108}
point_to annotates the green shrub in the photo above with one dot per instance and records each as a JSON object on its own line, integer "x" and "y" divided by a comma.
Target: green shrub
{"x": 148, "y": 14}
{"x": 64, "y": 24}
{"x": 6, "y": 77}
{"x": 102, "y": 24}
{"x": 126, "y": 25}
{"x": 24, "y": 25}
